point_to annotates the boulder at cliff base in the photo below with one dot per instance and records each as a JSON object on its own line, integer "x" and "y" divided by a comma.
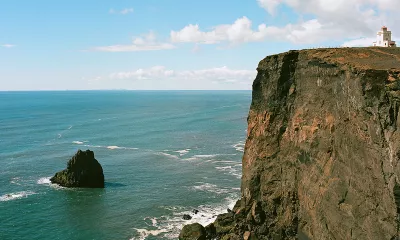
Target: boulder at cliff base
{"x": 193, "y": 231}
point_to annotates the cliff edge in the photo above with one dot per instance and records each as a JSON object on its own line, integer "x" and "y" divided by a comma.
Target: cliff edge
{"x": 322, "y": 154}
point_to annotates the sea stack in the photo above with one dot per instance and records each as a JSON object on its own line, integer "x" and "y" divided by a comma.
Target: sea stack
{"x": 322, "y": 156}
{"x": 83, "y": 171}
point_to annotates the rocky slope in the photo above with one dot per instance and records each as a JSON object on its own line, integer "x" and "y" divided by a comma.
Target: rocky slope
{"x": 323, "y": 147}
{"x": 83, "y": 170}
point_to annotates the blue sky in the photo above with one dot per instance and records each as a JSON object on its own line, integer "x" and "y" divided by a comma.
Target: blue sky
{"x": 175, "y": 44}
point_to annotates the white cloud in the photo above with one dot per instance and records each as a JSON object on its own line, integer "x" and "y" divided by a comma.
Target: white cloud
{"x": 269, "y": 5}
{"x": 147, "y": 42}
{"x": 221, "y": 74}
{"x": 333, "y": 20}
{"x": 156, "y": 72}
{"x": 238, "y": 32}
{"x": 360, "y": 42}
{"x": 123, "y": 11}
{"x": 196, "y": 48}
{"x": 126, "y": 11}
{"x": 344, "y": 18}
{"x": 8, "y": 45}
{"x": 241, "y": 31}
{"x": 163, "y": 78}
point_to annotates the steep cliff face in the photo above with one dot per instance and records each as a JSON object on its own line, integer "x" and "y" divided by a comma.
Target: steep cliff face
{"x": 322, "y": 154}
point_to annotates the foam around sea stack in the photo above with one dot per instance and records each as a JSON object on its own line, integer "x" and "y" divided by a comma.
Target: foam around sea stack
{"x": 83, "y": 170}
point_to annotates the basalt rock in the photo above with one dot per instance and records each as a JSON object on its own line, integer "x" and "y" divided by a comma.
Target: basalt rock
{"x": 193, "y": 231}
{"x": 83, "y": 170}
{"x": 322, "y": 155}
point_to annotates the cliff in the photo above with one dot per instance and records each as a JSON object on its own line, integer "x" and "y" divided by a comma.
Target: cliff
{"x": 322, "y": 154}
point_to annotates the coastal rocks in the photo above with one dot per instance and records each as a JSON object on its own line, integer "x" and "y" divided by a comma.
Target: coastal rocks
{"x": 193, "y": 231}
{"x": 188, "y": 217}
{"x": 223, "y": 223}
{"x": 83, "y": 170}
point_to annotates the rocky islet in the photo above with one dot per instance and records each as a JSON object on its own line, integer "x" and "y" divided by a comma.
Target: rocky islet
{"x": 83, "y": 171}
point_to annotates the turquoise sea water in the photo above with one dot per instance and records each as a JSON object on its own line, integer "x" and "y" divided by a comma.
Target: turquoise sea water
{"x": 163, "y": 154}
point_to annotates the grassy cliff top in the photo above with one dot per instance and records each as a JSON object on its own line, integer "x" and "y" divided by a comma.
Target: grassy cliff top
{"x": 377, "y": 58}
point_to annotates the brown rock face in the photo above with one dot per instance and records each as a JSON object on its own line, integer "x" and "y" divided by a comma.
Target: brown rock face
{"x": 193, "y": 231}
{"x": 322, "y": 155}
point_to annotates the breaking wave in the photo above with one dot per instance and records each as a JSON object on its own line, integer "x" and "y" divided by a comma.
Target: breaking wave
{"x": 208, "y": 187}
{"x": 239, "y": 146}
{"x": 14, "y": 196}
{"x": 170, "y": 226}
{"x": 111, "y": 147}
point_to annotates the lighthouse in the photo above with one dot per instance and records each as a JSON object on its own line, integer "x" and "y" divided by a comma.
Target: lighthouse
{"x": 384, "y": 38}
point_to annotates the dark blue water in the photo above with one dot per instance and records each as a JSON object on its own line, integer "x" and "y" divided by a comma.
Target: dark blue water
{"x": 163, "y": 154}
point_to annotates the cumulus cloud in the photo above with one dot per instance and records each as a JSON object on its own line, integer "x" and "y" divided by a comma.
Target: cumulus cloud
{"x": 241, "y": 31}
{"x": 221, "y": 74}
{"x": 147, "y": 42}
{"x": 8, "y": 45}
{"x": 360, "y": 42}
{"x": 269, "y": 5}
{"x": 123, "y": 11}
{"x": 346, "y": 18}
{"x": 332, "y": 20}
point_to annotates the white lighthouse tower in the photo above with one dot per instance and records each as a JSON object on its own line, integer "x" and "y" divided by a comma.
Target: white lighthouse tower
{"x": 384, "y": 38}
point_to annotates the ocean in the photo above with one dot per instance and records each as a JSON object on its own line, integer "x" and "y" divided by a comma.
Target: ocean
{"x": 164, "y": 154}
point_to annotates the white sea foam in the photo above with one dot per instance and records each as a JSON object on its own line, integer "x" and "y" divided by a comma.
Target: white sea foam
{"x": 201, "y": 157}
{"x": 211, "y": 155}
{"x": 94, "y": 146}
{"x": 208, "y": 187}
{"x": 44, "y": 181}
{"x": 183, "y": 152}
{"x": 113, "y": 147}
{"x": 205, "y": 156}
{"x": 170, "y": 226}
{"x": 232, "y": 170}
{"x": 15, "y": 180}
{"x": 117, "y": 147}
{"x": 224, "y": 168}
{"x": 153, "y": 221}
{"x": 17, "y": 195}
{"x": 99, "y": 146}
{"x": 168, "y": 155}
{"x": 225, "y": 161}
{"x": 144, "y": 233}
{"x": 239, "y": 146}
